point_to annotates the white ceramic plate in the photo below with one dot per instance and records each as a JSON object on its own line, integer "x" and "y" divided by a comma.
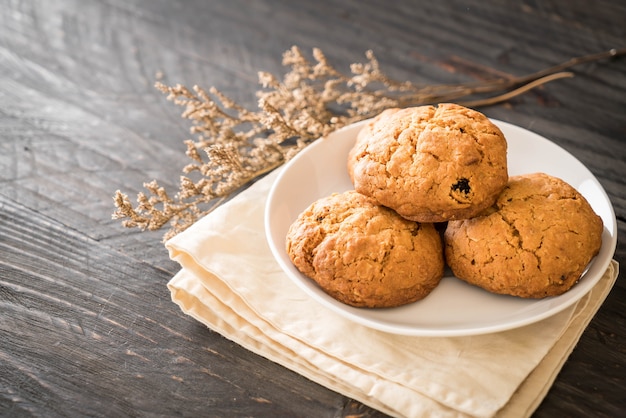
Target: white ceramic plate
{"x": 454, "y": 308}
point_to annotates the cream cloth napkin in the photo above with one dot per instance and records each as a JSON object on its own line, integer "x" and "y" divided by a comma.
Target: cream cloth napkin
{"x": 230, "y": 282}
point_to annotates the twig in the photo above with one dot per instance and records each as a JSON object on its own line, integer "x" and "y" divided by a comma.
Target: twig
{"x": 520, "y": 90}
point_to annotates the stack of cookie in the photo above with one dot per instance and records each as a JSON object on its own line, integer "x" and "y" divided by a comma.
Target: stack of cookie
{"x": 431, "y": 187}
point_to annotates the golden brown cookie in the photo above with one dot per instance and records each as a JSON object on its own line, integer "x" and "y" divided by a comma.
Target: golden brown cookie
{"x": 363, "y": 254}
{"x": 535, "y": 241}
{"x": 430, "y": 164}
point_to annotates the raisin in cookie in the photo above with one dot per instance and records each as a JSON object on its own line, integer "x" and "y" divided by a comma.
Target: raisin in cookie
{"x": 535, "y": 241}
{"x": 364, "y": 254}
{"x": 430, "y": 164}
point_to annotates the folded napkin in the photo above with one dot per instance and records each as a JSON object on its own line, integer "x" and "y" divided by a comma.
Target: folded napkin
{"x": 230, "y": 282}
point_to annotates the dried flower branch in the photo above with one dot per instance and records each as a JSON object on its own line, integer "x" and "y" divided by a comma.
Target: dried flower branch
{"x": 235, "y": 145}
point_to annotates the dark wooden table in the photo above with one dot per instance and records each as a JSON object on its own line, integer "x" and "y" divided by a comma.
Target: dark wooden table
{"x": 87, "y": 327}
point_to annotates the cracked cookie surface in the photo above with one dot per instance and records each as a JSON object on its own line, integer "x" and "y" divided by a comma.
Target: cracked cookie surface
{"x": 364, "y": 254}
{"x": 430, "y": 164}
{"x": 535, "y": 241}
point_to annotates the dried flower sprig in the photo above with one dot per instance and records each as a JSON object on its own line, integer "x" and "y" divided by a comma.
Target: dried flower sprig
{"x": 235, "y": 145}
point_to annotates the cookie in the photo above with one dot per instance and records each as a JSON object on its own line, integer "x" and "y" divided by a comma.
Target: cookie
{"x": 430, "y": 164}
{"x": 364, "y": 254}
{"x": 535, "y": 241}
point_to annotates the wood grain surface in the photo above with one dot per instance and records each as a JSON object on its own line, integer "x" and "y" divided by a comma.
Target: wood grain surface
{"x": 87, "y": 327}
